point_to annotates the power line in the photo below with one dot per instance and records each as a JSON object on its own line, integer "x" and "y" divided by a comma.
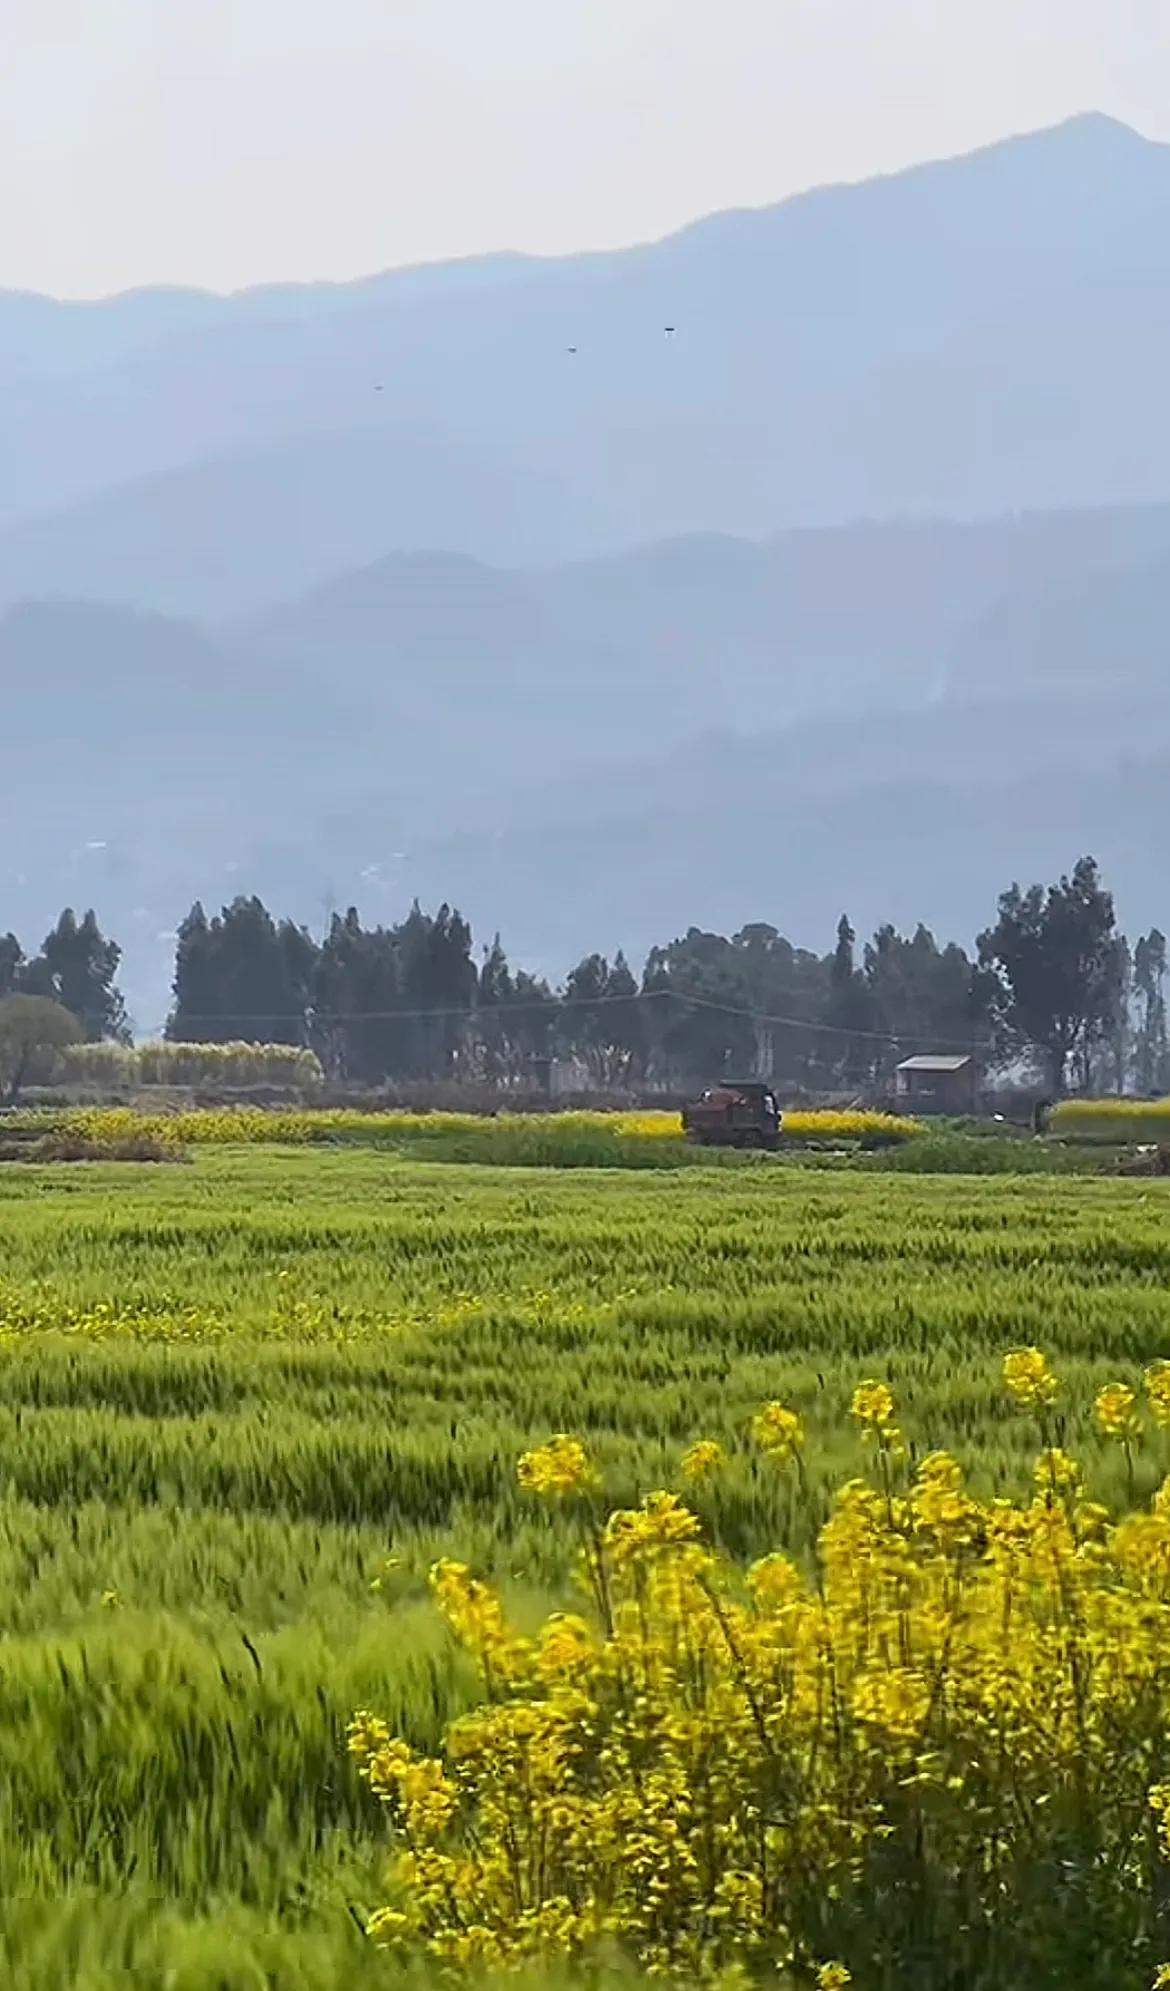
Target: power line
{"x": 551, "y": 1006}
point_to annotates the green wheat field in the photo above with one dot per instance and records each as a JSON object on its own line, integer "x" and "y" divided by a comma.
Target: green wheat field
{"x": 245, "y": 1401}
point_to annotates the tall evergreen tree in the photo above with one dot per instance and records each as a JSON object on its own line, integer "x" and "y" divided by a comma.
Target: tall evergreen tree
{"x": 357, "y": 998}
{"x": 11, "y": 963}
{"x": 77, "y": 967}
{"x": 241, "y": 975}
{"x": 848, "y": 1011}
{"x": 1151, "y": 1057}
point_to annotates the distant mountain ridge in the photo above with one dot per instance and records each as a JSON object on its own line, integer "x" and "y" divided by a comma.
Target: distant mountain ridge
{"x": 978, "y": 335}
{"x": 854, "y": 589}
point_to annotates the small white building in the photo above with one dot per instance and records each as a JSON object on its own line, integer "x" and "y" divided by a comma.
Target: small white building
{"x": 930, "y": 1084}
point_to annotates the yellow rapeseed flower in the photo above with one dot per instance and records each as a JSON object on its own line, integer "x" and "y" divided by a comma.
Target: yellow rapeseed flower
{"x": 1160, "y": 1806}
{"x": 778, "y": 1431}
{"x": 660, "y": 1524}
{"x": 873, "y": 1405}
{"x": 1028, "y": 1378}
{"x": 557, "y": 1470}
{"x": 388, "y": 1927}
{"x": 1056, "y": 1472}
{"x": 1116, "y": 1411}
{"x": 987, "y": 1654}
{"x": 703, "y": 1459}
{"x": 775, "y": 1582}
{"x": 893, "y": 1701}
{"x": 1157, "y": 1383}
{"x": 565, "y": 1642}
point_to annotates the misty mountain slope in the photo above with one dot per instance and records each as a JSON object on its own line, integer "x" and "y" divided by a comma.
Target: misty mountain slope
{"x": 904, "y": 850}
{"x": 231, "y": 534}
{"x": 438, "y": 689}
{"x": 150, "y": 761}
{"x": 639, "y": 651}
{"x": 105, "y": 707}
{"x": 977, "y": 335}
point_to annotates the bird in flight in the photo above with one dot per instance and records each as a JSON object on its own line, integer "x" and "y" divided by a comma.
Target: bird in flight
{"x": 669, "y": 330}
{"x": 570, "y": 349}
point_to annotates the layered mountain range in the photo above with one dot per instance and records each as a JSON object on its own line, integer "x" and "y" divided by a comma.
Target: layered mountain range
{"x": 850, "y": 590}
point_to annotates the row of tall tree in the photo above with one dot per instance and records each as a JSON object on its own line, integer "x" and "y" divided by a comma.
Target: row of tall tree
{"x": 1052, "y": 985}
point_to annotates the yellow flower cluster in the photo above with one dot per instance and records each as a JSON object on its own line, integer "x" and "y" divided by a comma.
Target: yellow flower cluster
{"x": 1115, "y": 1120}
{"x": 1028, "y": 1378}
{"x": 827, "y": 1124}
{"x": 559, "y": 1469}
{"x": 1116, "y": 1411}
{"x": 954, "y": 1701}
{"x": 778, "y": 1431}
{"x": 703, "y": 1460}
{"x": 217, "y": 1126}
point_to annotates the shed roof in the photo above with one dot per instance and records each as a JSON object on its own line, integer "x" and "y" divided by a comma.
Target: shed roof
{"x": 929, "y": 1063}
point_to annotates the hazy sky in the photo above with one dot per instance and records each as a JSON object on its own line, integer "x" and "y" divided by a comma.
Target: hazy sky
{"x": 225, "y": 142}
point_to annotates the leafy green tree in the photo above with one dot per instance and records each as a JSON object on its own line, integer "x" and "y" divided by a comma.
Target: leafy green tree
{"x": 356, "y": 997}
{"x": 1151, "y": 1059}
{"x": 1057, "y": 959}
{"x": 196, "y": 983}
{"x": 11, "y": 963}
{"x": 848, "y": 1011}
{"x": 241, "y": 975}
{"x": 1117, "y": 1033}
{"x": 396, "y": 1001}
{"x": 516, "y": 1017}
{"x": 696, "y": 996}
{"x": 34, "y": 1030}
{"x": 77, "y": 967}
{"x": 921, "y": 997}
{"x": 439, "y": 982}
{"x": 729, "y": 1007}
{"x": 602, "y": 1022}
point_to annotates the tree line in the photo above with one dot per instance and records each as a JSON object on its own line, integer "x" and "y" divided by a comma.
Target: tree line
{"x": 1051, "y": 985}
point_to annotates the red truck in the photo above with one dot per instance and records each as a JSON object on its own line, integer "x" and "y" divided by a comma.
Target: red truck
{"x": 736, "y": 1114}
